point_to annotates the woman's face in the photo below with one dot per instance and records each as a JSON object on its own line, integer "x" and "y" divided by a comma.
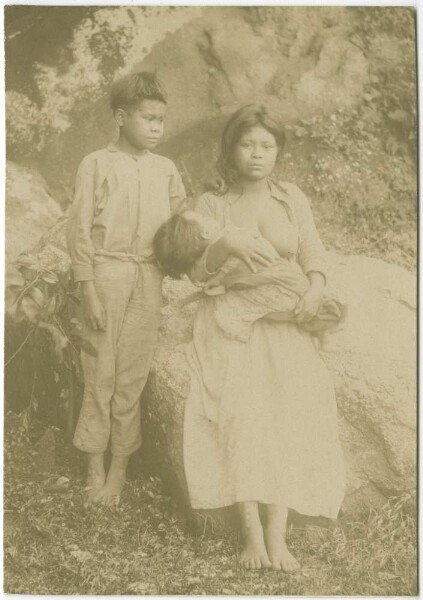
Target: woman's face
{"x": 255, "y": 154}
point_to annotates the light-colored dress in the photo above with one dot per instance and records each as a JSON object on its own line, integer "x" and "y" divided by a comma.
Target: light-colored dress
{"x": 260, "y": 419}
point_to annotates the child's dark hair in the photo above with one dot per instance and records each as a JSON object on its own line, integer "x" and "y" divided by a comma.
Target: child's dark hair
{"x": 128, "y": 91}
{"x": 241, "y": 121}
{"x": 177, "y": 244}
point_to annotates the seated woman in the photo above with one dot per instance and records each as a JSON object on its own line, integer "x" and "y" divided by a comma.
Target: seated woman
{"x": 260, "y": 423}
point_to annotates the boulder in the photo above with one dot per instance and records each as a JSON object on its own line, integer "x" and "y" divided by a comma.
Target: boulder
{"x": 373, "y": 362}
{"x": 30, "y": 210}
{"x": 299, "y": 60}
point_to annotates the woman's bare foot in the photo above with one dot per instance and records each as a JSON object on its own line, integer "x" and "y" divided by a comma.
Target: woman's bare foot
{"x": 96, "y": 475}
{"x": 274, "y": 535}
{"x": 109, "y": 494}
{"x": 253, "y": 555}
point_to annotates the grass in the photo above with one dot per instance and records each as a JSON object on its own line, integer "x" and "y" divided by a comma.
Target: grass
{"x": 53, "y": 545}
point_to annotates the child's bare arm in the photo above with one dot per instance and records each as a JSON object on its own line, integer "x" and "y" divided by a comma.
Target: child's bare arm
{"x": 241, "y": 243}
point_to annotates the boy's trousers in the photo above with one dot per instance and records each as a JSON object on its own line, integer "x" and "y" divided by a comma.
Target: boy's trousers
{"x": 114, "y": 379}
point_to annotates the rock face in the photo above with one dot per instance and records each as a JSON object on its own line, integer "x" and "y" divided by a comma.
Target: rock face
{"x": 374, "y": 367}
{"x": 298, "y": 60}
{"x": 30, "y": 210}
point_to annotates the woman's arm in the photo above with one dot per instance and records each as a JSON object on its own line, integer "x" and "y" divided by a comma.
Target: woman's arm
{"x": 311, "y": 257}
{"x": 243, "y": 244}
{"x": 311, "y": 251}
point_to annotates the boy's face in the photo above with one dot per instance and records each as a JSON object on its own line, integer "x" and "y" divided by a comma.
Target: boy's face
{"x": 143, "y": 125}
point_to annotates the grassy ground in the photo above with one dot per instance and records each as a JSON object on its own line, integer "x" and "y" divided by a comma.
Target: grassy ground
{"x": 53, "y": 545}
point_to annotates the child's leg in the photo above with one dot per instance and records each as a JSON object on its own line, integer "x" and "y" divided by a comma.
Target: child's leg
{"x": 253, "y": 555}
{"x": 274, "y": 535}
{"x": 92, "y": 433}
{"x": 134, "y": 355}
{"x": 96, "y": 474}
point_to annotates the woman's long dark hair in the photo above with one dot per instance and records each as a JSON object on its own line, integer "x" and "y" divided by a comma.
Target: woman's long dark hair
{"x": 241, "y": 121}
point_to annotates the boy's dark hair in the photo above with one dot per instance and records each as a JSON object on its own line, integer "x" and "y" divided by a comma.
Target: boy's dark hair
{"x": 177, "y": 244}
{"x": 241, "y": 121}
{"x": 128, "y": 91}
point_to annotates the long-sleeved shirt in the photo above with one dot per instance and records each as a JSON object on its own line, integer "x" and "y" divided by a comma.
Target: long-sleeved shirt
{"x": 309, "y": 250}
{"x": 120, "y": 202}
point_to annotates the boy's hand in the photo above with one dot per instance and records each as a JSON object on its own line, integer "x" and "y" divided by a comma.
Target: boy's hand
{"x": 250, "y": 247}
{"x": 94, "y": 313}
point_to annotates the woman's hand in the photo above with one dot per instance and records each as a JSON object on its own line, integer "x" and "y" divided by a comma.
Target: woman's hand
{"x": 308, "y": 306}
{"x": 250, "y": 246}
{"x": 94, "y": 313}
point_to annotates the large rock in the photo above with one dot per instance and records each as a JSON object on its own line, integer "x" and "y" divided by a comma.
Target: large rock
{"x": 299, "y": 60}
{"x": 374, "y": 368}
{"x": 30, "y": 210}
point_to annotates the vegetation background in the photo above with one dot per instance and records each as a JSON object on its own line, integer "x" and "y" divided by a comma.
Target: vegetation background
{"x": 356, "y": 159}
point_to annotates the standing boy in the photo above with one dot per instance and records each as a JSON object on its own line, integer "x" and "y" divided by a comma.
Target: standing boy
{"x": 123, "y": 194}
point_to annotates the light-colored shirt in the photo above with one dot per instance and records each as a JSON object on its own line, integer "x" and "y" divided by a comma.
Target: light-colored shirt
{"x": 305, "y": 245}
{"x": 120, "y": 202}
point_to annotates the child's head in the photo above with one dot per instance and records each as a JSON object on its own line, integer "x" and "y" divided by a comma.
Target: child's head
{"x": 251, "y": 143}
{"x": 179, "y": 242}
{"x": 138, "y": 102}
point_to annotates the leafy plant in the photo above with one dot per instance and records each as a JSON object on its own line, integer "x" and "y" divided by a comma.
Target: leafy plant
{"x": 41, "y": 302}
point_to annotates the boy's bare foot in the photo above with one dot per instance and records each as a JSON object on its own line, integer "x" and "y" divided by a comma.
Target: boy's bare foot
{"x": 253, "y": 555}
{"x": 274, "y": 535}
{"x": 109, "y": 495}
{"x": 96, "y": 475}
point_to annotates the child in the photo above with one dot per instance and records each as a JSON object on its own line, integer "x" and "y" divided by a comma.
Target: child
{"x": 123, "y": 194}
{"x": 244, "y": 293}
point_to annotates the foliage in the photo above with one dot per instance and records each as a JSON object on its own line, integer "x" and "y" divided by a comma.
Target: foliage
{"x": 364, "y": 199}
{"x": 53, "y": 545}
{"x": 387, "y": 37}
{"x": 42, "y": 326}
{"x": 106, "y": 41}
{"x": 24, "y": 124}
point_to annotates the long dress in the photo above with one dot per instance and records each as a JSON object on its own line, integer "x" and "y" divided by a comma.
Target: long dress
{"x": 260, "y": 419}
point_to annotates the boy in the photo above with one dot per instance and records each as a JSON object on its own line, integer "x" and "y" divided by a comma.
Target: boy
{"x": 123, "y": 194}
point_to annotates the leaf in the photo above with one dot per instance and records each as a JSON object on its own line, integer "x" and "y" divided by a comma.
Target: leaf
{"x": 141, "y": 587}
{"x": 387, "y": 576}
{"x": 60, "y": 341}
{"x": 76, "y": 325}
{"x": 50, "y": 277}
{"x": 74, "y": 298}
{"x": 14, "y": 279}
{"x": 300, "y": 132}
{"x": 28, "y": 261}
{"x": 37, "y": 295}
{"x": 10, "y": 304}
{"x": 51, "y": 305}
{"x": 81, "y": 556}
{"x": 28, "y": 274}
{"x": 30, "y": 308}
{"x": 85, "y": 345}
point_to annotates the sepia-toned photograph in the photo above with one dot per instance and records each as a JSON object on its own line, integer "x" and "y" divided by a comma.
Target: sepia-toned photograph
{"x": 210, "y": 334}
